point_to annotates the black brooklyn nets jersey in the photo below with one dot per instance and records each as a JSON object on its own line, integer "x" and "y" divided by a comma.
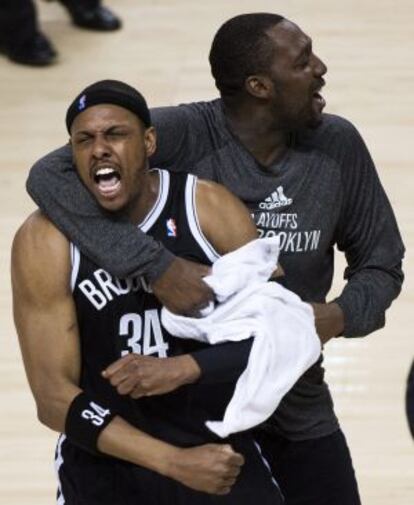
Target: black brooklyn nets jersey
{"x": 120, "y": 316}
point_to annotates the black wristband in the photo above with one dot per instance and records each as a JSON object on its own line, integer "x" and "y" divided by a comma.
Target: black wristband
{"x": 85, "y": 420}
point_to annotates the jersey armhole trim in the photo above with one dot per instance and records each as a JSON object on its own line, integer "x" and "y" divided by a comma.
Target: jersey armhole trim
{"x": 159, "y": 205}
{"x": 75, "y": 262}
{"x": 193, "y": 221}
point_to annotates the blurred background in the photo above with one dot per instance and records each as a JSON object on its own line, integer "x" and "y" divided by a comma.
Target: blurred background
{"x": 162, "y": 49}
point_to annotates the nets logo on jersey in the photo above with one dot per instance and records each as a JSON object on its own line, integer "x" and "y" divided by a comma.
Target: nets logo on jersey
{"x": 275, "y": 200}
{"x": 171, "y": 227}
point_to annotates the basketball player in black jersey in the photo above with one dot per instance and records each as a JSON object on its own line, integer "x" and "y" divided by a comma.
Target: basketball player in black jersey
{"x": 74, "y": 320}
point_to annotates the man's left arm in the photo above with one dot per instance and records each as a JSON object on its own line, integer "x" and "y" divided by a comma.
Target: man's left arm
{"x": 368, "y": 234}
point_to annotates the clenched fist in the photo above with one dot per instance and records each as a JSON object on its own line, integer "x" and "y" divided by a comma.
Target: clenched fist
{"x": 211, "y": 468}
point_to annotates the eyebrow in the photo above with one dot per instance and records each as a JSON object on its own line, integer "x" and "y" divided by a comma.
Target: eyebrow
{"x": 110, "y": 129}
{"x": 306, "y": 48}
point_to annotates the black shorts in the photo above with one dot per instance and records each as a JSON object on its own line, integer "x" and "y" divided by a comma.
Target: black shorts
{"x": 85, "y": 479}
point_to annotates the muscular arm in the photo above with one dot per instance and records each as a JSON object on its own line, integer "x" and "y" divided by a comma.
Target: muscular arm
{"x": 46, "y": 323}
{"x": 226, "y": 231}
{"x": 224, "y": 219}
{"x": 116, "y": 245}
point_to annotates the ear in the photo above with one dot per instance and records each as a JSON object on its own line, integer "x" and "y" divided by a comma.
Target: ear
{"x": 150, "y": 141}
{"x": 259, "y": 86}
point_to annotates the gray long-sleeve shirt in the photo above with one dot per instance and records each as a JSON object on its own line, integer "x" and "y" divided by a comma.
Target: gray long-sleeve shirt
{"x": 324, "y": 191}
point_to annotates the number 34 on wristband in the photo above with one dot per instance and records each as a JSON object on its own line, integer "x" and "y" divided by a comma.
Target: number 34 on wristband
{"x": 96, "y": 414}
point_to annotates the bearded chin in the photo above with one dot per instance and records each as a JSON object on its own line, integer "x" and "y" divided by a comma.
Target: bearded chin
{"x": 296, "y": 122}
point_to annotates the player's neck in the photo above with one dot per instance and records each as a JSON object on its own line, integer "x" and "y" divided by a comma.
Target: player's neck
{"x": 145, "y": 200}
{"x": 257, "y": 132}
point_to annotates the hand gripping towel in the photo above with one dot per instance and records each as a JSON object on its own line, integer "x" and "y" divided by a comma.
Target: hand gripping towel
{"x": 285, "y": 340}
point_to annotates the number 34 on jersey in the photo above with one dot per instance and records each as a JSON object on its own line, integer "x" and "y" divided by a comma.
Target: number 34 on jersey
{"x": 144, "y": 334}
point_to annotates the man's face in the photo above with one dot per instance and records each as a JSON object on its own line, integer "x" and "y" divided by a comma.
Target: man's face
{"x": 296, "y": 74}
{"x": 111, "y": 148}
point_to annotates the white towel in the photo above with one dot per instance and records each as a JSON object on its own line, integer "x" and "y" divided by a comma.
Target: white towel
{"x": 285, "y": 343}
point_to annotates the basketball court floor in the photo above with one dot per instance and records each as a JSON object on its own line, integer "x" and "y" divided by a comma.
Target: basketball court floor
{"x": 368, "y": 46}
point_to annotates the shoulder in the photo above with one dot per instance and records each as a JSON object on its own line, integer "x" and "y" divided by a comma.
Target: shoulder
{"x": 39, "y": 234}
{"x": 336, "y": 124}
{"x": 333, "y": 133}
{"x": 216, "y": 197}
{"x": 194, "y": 114}
{"x": 224, "y": 219}
{"x": 340, "y": 141}
{"x": 40, "y": 252}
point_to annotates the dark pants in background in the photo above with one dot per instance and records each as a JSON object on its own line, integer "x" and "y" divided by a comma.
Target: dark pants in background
{"x": 19, "y": 22}
{"x": 312, "y": 472}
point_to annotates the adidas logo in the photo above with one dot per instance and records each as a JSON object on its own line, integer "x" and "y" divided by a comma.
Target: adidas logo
{"x": 275, "y": 200}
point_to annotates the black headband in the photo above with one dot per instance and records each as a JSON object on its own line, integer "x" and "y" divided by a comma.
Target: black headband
{"x": 112, "y": 92}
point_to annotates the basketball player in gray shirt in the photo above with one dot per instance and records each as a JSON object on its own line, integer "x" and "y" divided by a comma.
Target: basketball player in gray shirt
{"x": 307, "y": 177}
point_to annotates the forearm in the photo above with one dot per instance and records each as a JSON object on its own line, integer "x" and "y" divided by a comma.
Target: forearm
{"x": 226, "y": 362}
{"x": 53, "y": 403}
{"x": 329, "y": 320}
{"x": 117, "y": 245}
{"x": 123, "y": 441}
{"x": 209, "y": 468}
{"x": 118, "y": 439}
{"x": 366, "y": 297}
{"x": 139, "y": 376}
{"x": 223, "y": 362}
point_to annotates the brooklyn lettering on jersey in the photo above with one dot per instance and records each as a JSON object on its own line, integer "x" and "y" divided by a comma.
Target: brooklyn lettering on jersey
{"x": 294, "y": 241}
{"x": 101, "y": 287}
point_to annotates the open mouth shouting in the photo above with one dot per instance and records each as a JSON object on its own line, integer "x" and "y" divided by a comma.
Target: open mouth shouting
{"x": 317, "y": 97}
{"x": 108, "y": 181}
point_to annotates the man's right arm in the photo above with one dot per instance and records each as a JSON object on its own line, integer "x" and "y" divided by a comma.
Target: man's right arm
{"x": 116, "y": 245}
{"x": 46, "y": 323}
